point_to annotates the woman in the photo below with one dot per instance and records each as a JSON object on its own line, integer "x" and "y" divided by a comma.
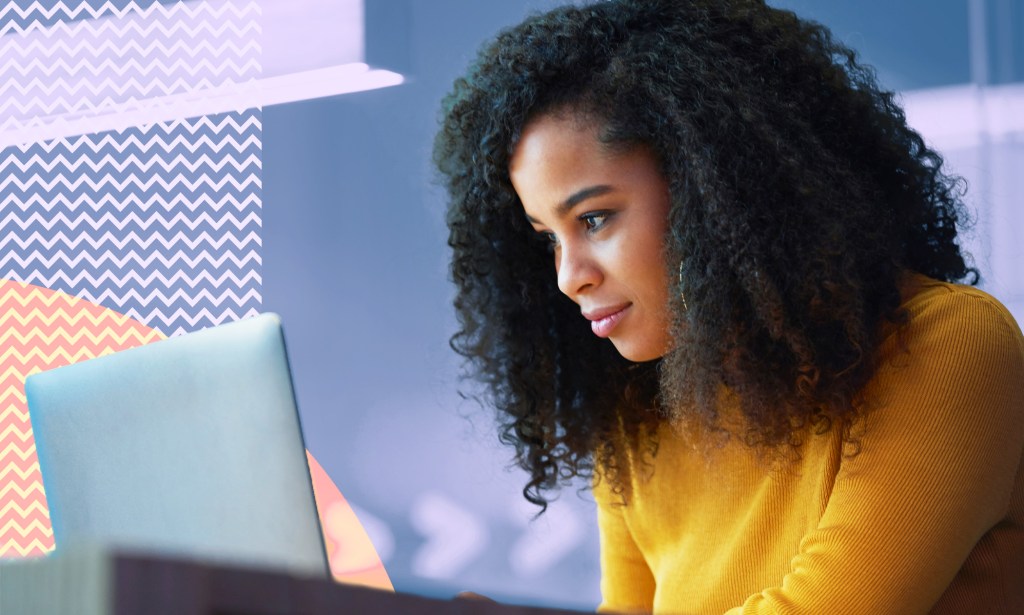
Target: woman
{"x": 752, "y": 336}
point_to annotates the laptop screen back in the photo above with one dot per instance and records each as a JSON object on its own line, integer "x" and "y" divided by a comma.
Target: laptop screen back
{"x": 189, "y": 446}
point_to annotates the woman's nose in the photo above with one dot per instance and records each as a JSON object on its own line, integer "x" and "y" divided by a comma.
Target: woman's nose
{"x": 577, "y": 270}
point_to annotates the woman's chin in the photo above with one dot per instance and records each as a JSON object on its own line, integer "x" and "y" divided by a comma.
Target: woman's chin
{"x": 639, "y": 353}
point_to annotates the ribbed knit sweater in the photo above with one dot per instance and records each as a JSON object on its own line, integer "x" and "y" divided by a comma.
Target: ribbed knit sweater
{"x": 927, "y": 517}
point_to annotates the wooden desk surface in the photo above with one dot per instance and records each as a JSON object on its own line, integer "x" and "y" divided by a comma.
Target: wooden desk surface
{"x": 139, "y": 584}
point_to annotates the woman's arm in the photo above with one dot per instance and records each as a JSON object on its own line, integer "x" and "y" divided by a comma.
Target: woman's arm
{"x": 938, "y": 467}
{"x": 627, "y": 584}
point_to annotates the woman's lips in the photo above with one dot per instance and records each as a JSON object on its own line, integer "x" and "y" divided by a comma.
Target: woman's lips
{"x": 604, "y": 321}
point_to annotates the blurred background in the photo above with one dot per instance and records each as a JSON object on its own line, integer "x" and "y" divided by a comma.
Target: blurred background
{"x": 355, "y": 261}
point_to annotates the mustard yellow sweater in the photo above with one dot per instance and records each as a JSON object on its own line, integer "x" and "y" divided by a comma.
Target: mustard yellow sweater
{"x": 927, "y": 517}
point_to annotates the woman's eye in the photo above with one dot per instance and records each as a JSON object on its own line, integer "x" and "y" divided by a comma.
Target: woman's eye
{"x": 550, "y": 239}
{"x": 594, "y": 221}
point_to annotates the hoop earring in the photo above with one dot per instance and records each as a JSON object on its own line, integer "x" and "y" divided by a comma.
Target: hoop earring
{"x": 682, "y": 296}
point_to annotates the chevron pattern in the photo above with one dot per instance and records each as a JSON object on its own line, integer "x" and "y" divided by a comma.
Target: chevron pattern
{"x": 160, "y": 223}
{"x": 39, "y": 330}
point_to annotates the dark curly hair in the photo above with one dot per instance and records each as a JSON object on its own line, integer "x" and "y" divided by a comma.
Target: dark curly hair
{"x": 799, "y": 197}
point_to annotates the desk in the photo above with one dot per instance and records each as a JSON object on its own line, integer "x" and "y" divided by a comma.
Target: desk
{"x": 98, "y": 582}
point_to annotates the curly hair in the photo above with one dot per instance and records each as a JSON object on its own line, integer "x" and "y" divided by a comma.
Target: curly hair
{"x": 799, "y": 197}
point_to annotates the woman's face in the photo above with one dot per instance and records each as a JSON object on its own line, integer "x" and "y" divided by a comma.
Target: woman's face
{"x": 606, "y": 215}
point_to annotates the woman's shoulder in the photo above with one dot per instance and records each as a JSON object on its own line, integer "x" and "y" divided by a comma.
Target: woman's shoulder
{"x": 958, "y": 347}
{"x": 955, "y": 311}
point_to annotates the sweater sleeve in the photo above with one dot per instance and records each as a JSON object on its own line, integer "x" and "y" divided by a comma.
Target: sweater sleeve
{"x": 627, "y": 584}
{"x": 935, "y": 469}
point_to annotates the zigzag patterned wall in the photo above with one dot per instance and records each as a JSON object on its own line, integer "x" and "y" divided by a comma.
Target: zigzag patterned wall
{"x": 39, "y": 330}
{"x": 158, "y": 223}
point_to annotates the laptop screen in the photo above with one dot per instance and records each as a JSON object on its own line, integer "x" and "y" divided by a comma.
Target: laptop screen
{"x": 189, "y": 446}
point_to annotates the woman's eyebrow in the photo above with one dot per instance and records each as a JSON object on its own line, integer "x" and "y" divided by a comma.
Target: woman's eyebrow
{"x": 581, "y": 196}
{"x": 575, "y": 199}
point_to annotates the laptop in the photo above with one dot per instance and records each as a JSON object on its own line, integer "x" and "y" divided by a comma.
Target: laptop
{"x": 188, "y": 447}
